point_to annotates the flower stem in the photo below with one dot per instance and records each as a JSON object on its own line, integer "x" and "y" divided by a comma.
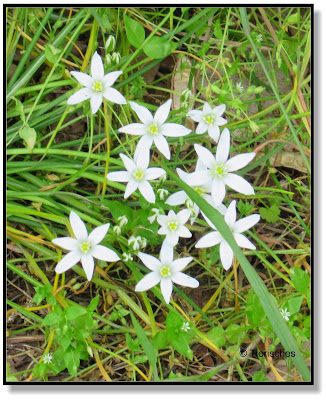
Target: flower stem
{"x": 107, "y": 133}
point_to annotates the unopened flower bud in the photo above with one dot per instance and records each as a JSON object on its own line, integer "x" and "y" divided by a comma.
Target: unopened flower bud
{"x": 123, "y": 220}
{"x": 110, "y": 44}
{"x": 162, "y": 193}
{"x": 126, "y": 257}
{"x": 155, "y": 213}
{"x": 143, "y": 242}
{"x": 117, "y": 230}
{"x": 189, "y": 203}
{"x": 162, "y": 178}
{"x": 116, "y": 58}
{"x": 135, "y": 242}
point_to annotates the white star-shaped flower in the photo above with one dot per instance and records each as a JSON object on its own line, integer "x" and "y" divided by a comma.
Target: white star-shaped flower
{"x": 84, "y": 247}
{"x": 137, "y": 175}
{"x": 219, "y": 169}
{"x": 97, "y": 86}
{"x": 166, "y": 271}
{"x": 210, "y": 119}
{"x": 172, "y": 225}
{"x": 285, "y": 314}
{"x": 47, "y": 358}
{"x": 185, "y": 327}
{"x": 237, "y": 227}
{"x": 154, "y": 129}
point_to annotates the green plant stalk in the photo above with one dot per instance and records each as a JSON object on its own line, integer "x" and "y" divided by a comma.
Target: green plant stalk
{"x": 245, "y": 24}
{"x": 266, "y": 299}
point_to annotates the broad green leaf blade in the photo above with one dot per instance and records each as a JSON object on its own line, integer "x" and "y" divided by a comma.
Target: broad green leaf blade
{"x": 146, "y": 345}
{"x": 135, "y": 31}
{"x": 266, "y": 299}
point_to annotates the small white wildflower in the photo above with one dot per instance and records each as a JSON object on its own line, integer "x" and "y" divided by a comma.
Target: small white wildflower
{"x": 123, "y": 220}
{"x": 143, "y": 242}
{"x": 117, "y": 230}
{"x": 162, "y": 193}
{"x": 259, "y": 38}
{"x": 84, "y": 247}
{"x": 185, "y": 327}
{"x": 135, "y": 242}
{"x": 153, "y": 217}
{"x": 97, "y": 86}
{"x": 285, "y": 314}
{"x": 110, "y": 44}
{"x": 240, "y": 87}
{"x": 173, "y": 226}
{"x": 186, "y": 94}
{"x": 126, "y": 257}
{"x": 47, "y": 358}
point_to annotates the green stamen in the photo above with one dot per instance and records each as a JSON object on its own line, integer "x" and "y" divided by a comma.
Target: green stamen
{"x": 153, "y": 130}
{"x": 84, "y": 247}
{"x": 173, "y": 225}
{"x": 97, "y": 87}
{"x": 165, "y": 271}
{"x": 209, "y": 119}
{"x": 139, "y": 174}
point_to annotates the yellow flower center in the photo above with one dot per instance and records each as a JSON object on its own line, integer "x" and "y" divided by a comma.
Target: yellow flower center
{"x": 200, "y": 190}
{"x": 84, "y": 247}
{"x": 97, "y": 87}
{"x": 219, "y": 169}
{"x": 209, "y": 119}
{"x": 139, "y": 174}
{"x": 153, "y": 130}
{"x": 173, "y": 225}
{"x": 165, "y": 271}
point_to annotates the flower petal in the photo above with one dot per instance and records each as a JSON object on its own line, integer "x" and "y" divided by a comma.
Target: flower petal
{"x": 66, "y": 243}
{"x": 177, "y": 198}
{"x": 97, "y": 69}
{"x": 242, "y": 241}
{"x": 142, "y": 112}
{"x": 214, "y": 132}
{"x": 142, "y": 159}
{"x": 147, "y": 191}
{"x": 219, "y": 110}
{"x": 111, "y": 77}
{"x": 154, "y": 173}
{"x": 181, "y": 263}
{"x": 184, "y": 280}
{"x": 205, "y": 156}
{"x": 104, "y": 253}
{"x": 166, "y": 289}
{"x": 82, "y": 95}
{"x": 133, "y": 129}
{"x": 88, "y": 265}
{"x": 128, "y": 163}
{"x": 162, "y": 146}
{"x": 174, "y": 130}
{"x": 144, "y": 145}
{"x": 68, "y": 261}
{"x": 207, "y": 108}
{"x": 150, "y": 280}
{"x": 209, "y": 240}
{"x": 83, "y": 78}
{"x": 201, "y": 128}
{"x": 195, "y": 115}
{"x": 130, "y": 188}
{"x": 239, "y": 161}
{"x": 98, "y": 234}
{"x": 218, "y": 191}
{"x": 246, "y": 223}
{"x": 119, "y": 176}
{"x": 183, "y": 216}
{"x": 171, "y": 238}
{"x": 238, "y": 184}
{"x": 166, "y": 253}
{"x": 78, "y": 226}
{"x": 226, "y": 254}
{"x": 162, "y": 112}
{"x": 231, "y": 214}
{"x": 184, "y": 232}
{"x": 223, "y": 147}
{"x": 199, "y": 178}
{"x": 96, "y": 101}
{"x": 114, "y": 95}
{"x": 151, "y": 262}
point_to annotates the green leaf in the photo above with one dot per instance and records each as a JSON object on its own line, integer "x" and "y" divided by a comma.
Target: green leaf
{"x": 72, "y": 361}
{"x": 293, "y": 19}
{"x": 300, "y": 279}
{"x": 29, "y": 137}
{"x": 73, "y": 312}
{"x": 93, "y": 304}
{"x": 254, "y": 309}
{"x": 135, "y": 31}
{"x": 267, "y": 300}
{"x": 160, "y": 340}
{"x": 20, "y": 108}
{"x": 52, "y": 318}
{"x": 51, "y": 53}
{"x": 235, "y": 333}
{"x": 259, "y": 376}
{"x": 158, "y": 47}
{"x": 178, "y": 338}
{"x": 293, "y": 305}
{"x": 216, "y": 335}
{"x": 147, "y": 346}
{"x": 270, "y": 214}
